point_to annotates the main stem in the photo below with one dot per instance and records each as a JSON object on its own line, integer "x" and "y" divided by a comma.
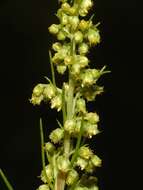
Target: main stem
{"x": 60, "y": 181}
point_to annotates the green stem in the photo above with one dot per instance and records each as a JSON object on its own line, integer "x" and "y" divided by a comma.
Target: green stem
{"x": 77, "y": 144}
{"x": 42, "y": 150}
{"x": 69, "y": 115}
{"x": 63, "y": 105}
{"x": 52, "y": 69}
{"x": 6, "y": 180}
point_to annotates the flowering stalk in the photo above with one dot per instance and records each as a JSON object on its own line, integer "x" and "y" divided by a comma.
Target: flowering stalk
{"x": 70, "y": 163}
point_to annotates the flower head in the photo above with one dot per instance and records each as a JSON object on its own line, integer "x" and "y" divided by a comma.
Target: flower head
{"x": 63, "y": 164}
{"x": 72, "y": 177}
{"x": 56, "y": 135}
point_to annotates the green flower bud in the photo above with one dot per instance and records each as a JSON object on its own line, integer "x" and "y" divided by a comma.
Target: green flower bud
{"x": 78, "y": 37}
{"x": 82, "y": 163}
{"x": 54, "y": 28}
{"x": 69, "y": 125}
{"x": 96, "y": 73}
{"x": 63, "y": 164}
{"x": 90, "y": 167}
{"x": 85, "y": 152}
{"x": 97, "y": 162}
{"x": 71, "y": 177}
{"x": 49, "y": 91}
{"x": 81, "y": 105}
{"x": 68, "y": 9}
{"x": 66, "y": 86}
{"x": 56, "y": 102}
{"x": 65, "y": 7}
{"x": 82, "y": 60}
{"x": 38, "y": 90}
{"x": 75, "y": 69}
{"x": 77, "y": 127}
{"x": 93, "y": 36}
{"x": 91, "y": 92}
{"x": 68, "y": 60}
{"x": 73, "y": 21}
{"x": 49, "y": 172}
{"x": 43, "y": 187}
{"x": 83, "y": 48}
{"x": 84, "y": 25}
{"x": 92, "y": 118}
{"x": 36, "y": 100}
{"x": 61, "y": 69}
{"x": 64, "y": 19}
{"x": 56, "y": 46}
{"x": 56, "y": 135}
{"x": 84, "y": 7}
{"x": 56, "y": 58}
{"x": 49, "y": 147}
{"x": 61, "y": 35}
{"x": 87, "y": 79}
{"x": 90, "y": 130}
{"x": 73, "y": 10}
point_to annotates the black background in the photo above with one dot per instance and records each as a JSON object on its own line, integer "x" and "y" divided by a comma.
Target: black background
{"x": 24, "y": 62}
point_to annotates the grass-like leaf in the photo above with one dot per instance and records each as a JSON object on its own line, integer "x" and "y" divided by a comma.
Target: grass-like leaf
{"x": 7, "y": 183}
{"x": 42, "y": 150}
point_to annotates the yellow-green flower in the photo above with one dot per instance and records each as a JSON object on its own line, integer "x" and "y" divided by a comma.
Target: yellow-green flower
{"x": 57, "y": 135}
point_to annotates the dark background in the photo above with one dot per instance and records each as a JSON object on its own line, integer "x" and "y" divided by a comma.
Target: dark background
{"x": 24, "y": 62}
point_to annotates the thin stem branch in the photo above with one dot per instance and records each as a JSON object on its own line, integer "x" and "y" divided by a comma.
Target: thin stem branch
{"x": 7, "y": 183}
{"x": 42, "y": 150}
{"x": 52, "y": 69}
{"x": 77, "y": 144}
{"x": 63, "y": 105}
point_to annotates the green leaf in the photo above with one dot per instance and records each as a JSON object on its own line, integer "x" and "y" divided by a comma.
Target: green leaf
{"x": 42, "y": 149}
{"x": 7, "y": 183}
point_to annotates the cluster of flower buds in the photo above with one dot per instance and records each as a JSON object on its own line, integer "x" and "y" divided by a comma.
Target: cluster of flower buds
{"x": 47, "y": 92}
{"x": 86, "y": 160}
{"x": 75, "y": 35}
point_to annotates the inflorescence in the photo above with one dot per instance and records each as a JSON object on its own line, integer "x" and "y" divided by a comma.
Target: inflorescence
{"x": 71, "y": 162}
